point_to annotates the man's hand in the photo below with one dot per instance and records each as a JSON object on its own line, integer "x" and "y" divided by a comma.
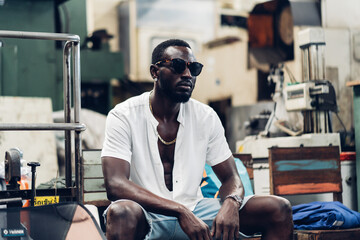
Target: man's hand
{"x": 193, "y": 226}
{"x": 227, "y": 222}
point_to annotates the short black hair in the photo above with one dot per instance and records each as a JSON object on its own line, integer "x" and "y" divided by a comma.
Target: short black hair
{"x": 158, "y": 52}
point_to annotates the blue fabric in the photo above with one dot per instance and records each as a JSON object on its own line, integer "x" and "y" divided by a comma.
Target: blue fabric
{"x": 210, "y": 184}
{"x": 324, "y": 215}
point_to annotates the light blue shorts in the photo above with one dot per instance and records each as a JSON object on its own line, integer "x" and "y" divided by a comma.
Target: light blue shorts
{"x": 161, "y": 225}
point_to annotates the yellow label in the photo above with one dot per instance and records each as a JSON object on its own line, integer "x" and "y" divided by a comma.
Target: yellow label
{"x": 46, "y": 200}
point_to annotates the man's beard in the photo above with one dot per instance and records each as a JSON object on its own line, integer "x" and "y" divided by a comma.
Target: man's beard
{"x": 178, "y": 97}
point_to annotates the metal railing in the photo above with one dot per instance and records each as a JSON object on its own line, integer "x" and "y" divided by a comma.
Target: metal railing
{"x": 71, "y": 54}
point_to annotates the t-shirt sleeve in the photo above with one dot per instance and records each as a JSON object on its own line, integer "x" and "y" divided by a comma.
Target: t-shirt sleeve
{"x": 117, "y": 141}
{"x": 218, "y": 149}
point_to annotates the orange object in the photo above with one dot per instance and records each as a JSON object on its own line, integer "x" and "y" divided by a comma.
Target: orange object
{"x": 24, "y": 185}
{"x": 260, "y": 28}
{"x": 306, "y": 188}
{"x": 348, "y": 156}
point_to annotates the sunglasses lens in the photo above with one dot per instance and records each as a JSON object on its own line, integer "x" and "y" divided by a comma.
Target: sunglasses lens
{"x": 195, "y": 68}
{"x": 179, "y": 65}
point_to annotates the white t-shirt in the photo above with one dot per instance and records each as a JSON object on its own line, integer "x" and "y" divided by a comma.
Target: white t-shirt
{"x": 131, "y": 135}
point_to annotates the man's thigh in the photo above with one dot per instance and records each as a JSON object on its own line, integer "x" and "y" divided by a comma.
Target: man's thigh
{"x": 161, "y": 225}
{"x": 206, "y": 210}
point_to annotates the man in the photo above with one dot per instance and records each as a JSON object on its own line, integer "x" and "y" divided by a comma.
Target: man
{"x": 153, "y": 158}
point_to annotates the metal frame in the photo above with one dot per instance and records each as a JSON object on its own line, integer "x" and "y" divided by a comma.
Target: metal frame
{"x": 71, "y": 54}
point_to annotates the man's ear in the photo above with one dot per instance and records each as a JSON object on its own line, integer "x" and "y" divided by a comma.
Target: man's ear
{"x": 153, "y": 71}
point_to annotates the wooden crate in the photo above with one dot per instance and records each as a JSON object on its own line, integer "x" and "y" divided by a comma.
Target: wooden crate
{"x": 305, "y": 170}
{"x": 343, "y": 234}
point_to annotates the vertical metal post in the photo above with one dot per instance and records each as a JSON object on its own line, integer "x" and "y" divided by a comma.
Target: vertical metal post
{"x": 313, "y": 63}
{"x": 321, "y": 61}
{"x": 67, "y": 111}
{"x": 356, "y": 108}
{"x": 77, "y": 107}
{"x": 1, "y": 71}
{"x": 33, "y": 166}
{"x": 305, "y": 64}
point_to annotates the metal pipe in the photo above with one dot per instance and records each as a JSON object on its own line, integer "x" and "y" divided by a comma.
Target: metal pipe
{"x": 1, "y": 70}
{"x": 321, "y": 61}
{"x": 67, "y": 111}
{"x": 305, "y": 64}
{"x": 11, "y": 200}
{"x": 326, "y": 122}
{"x": 317, "y": 127}
{"x": 42, "y": 126}
{"x": 72, "y": 42}
{"x": 77, "y": 107}
{"x": 330, "y": 122}
{"x": 305, "y": 122}
{"x": 321, "y": 121}
{"x": 313, "y": 73}
{"x": 33, "y": 166}
{"x": 77, "y": 87}
{"x": 39, "y": 35}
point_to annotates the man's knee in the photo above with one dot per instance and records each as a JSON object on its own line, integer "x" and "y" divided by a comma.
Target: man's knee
{"x": 281, "y": 209}
{"x": 126, "y": 210}
{"x": 125, "y": 220}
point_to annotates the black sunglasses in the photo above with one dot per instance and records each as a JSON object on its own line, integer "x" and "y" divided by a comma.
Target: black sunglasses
{"x": 180, "y": 65}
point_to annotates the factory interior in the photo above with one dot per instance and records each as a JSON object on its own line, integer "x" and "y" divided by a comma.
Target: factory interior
{"x": 283, "y": 76}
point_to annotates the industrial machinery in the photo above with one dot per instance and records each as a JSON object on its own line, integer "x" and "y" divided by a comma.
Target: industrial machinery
{"x": 315, "y": 96}
{"x": 13, "y": 175}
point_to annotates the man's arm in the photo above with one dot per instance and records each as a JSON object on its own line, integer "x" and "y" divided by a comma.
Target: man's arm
{"x": 229, "y": 178}
{"x": 227, "y": 221}
{"x": 118, "y": 186}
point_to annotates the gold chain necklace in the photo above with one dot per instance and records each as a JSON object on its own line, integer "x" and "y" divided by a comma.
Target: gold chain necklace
{"x": 160, "y": 138}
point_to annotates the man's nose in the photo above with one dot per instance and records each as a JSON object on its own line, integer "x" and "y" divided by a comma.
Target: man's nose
{"x": 187, "y": 73}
